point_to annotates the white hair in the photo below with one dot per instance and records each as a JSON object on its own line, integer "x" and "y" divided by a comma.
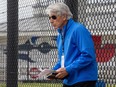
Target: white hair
{"x": 59, "y": 9}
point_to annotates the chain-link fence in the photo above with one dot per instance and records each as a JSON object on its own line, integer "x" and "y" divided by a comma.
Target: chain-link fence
{"x": 37, "y": 38}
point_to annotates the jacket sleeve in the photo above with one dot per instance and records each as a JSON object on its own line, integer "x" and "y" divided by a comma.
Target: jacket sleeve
{"x": 84, "y": 43}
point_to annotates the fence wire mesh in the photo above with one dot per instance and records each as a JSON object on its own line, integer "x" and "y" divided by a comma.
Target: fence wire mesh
{"x": 37, "y": 39}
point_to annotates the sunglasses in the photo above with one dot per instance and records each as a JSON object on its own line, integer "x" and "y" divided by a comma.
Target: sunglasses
{"x": 53, "y": 17}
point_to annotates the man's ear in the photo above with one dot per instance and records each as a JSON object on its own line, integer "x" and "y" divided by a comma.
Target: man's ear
{"x": 64, "y": 17}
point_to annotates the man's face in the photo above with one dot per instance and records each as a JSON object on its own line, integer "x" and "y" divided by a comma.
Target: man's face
{"x": 57, "y": 21}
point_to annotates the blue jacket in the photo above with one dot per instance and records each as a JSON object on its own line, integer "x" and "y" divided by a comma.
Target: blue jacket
{"x": 80, "y": 58}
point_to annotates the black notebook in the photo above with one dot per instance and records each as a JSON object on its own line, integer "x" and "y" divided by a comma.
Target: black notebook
{"x": 52, "y": 75}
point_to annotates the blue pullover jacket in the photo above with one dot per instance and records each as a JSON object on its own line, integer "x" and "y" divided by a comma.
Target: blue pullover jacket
{"x": 79, "y": 53}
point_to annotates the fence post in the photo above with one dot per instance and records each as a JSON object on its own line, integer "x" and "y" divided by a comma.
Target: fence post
{"x": 12, "y": 43}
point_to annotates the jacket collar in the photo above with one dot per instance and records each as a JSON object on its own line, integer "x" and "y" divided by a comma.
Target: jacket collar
{"x": 66, "y": 27}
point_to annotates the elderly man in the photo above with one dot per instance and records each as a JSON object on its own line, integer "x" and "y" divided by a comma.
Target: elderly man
{"x": 76, "y": 63}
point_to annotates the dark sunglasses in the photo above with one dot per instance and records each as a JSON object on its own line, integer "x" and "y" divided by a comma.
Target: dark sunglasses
{"x": 53, "y": 17}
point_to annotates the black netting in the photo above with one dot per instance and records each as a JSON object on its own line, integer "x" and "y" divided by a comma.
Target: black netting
{"x": 37, "y": 39}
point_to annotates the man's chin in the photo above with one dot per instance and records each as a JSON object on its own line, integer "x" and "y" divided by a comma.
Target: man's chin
{"x": 55, "y": 28}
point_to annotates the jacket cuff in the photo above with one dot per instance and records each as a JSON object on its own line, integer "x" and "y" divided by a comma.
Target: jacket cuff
{"x": 68, "y": 69}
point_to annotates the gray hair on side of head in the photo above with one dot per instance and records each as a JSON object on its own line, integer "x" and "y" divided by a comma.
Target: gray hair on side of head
{"x": 59, "y": 9}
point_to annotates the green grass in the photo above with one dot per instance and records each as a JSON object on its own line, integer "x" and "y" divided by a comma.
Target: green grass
{"x": 43, "y": 85}
{"x": 36, "y": 85}
{"x": 40, "y": 85}
{"x": 110, "y": 85}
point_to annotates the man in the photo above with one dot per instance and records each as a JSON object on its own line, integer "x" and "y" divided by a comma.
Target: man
{"x": 76, "y": 64}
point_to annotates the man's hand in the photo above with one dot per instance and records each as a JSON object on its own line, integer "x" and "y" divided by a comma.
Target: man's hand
{"x": 61, "y": 73}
